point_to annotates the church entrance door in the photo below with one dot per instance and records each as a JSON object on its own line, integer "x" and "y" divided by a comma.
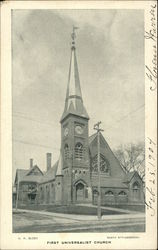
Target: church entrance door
{"x": 80, "y": 192}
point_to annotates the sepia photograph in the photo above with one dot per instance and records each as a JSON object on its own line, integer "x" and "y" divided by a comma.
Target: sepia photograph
{"x": 78, "y": 120}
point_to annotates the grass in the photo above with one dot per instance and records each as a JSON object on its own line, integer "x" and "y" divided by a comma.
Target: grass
{"x": 71, "y": 209}
{"x": 80, "y": 210}
{"x": 18, "y": 212}
{"x": 133, "y": 207}
{"x": 77, "y": 209}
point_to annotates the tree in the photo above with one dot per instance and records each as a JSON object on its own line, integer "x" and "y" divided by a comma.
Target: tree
{"x": 132, "y": 158}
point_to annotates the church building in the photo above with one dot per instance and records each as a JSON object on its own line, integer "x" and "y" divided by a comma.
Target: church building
{"x": 74, "y": 177}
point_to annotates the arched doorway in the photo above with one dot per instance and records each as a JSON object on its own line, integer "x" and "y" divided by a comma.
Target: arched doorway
{"x": 80, "y": 193}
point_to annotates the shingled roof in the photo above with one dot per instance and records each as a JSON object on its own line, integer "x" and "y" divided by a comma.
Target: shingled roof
{"x": 32, "y": 178}
{"x": 20, "y": 173}
{"x": 23, "y": 175}
{"x": 50, "y": 174}
{"x": 130, "y": 175}
{"x": 108, "y": 182}
{"x": 92, "y": 137}
{"x": 60, "y": 166}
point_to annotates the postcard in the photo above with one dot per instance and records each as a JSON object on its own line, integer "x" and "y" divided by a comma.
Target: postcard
{"x": 78, "y": 131}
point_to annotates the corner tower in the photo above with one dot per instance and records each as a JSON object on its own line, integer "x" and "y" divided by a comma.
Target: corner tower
{"x": 74, "y": 137}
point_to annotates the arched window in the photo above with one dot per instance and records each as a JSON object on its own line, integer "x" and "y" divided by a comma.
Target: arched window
{"x": 66, "y": 151}
{"x": 95, "y": 192}
{"x": 79, "y": 151}
{"x": 135, "y": 187}
{"x": 80, "y": 192}
{"x": 122, "y": 193}
{"x": 104, "y": 164}
{"x": 109, "y": 193}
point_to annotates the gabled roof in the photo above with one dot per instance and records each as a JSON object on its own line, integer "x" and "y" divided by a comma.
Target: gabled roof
{"x": 20, "y": 173}
{"x": 130, "y": 175}
{"x": 23, "y": 175}
{"x": 109, "y": 182}
{"x": 32, "y": 178}
{"x": 50, "y": 174}
{"x": 31, "y": 170}
{"x": 102, "y": 141}
{"x": 116, "y": 169}
{"x": 53, "y": 171}
{"x": 92, "y": 137}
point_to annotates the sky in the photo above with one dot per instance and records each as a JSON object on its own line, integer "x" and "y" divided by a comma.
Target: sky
{"x": 110, "y": 54}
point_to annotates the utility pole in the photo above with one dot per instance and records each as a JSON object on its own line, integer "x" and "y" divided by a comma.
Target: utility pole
{"x": 96, "y": 127}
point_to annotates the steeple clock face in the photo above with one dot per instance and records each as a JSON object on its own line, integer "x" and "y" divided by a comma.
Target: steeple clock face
{"x": 66, "y": 131}
{"x": 78, "y": 129}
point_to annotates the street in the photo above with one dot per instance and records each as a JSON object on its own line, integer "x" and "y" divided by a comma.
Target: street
{"x": 44, "y": 222}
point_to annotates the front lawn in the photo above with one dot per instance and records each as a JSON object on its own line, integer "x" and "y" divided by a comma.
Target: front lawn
{"x": 80, "y": 210}
{"x": 71, "y": 209}
{"x": 134, "y": 207}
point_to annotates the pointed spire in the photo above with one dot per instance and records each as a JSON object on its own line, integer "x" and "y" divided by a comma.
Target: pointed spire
{"x": 74, "y": 102}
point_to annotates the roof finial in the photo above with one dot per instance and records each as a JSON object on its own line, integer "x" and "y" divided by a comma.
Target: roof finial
{"x": 73, "y": 36}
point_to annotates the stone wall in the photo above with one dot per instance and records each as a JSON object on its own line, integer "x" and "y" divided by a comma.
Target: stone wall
{"x": 115, "y": 196}
{"x": 46, "y": 193}
{"x": 111, "y": 196}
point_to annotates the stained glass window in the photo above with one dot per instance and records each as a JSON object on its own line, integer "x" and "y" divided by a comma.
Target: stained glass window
{"x": 104, "y": 164}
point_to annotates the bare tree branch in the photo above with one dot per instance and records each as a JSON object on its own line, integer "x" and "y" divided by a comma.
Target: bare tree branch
{"x": 132, "y": 157}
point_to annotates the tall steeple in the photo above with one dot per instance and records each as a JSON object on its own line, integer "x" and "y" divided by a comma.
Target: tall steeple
{"x": 74, "y": 102}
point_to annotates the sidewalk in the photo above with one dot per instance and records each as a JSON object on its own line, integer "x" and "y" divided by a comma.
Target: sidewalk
{"x": 77, "y": 217}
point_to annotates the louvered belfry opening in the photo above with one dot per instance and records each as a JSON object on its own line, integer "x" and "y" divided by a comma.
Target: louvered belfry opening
{"x": 79, "y": 151}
